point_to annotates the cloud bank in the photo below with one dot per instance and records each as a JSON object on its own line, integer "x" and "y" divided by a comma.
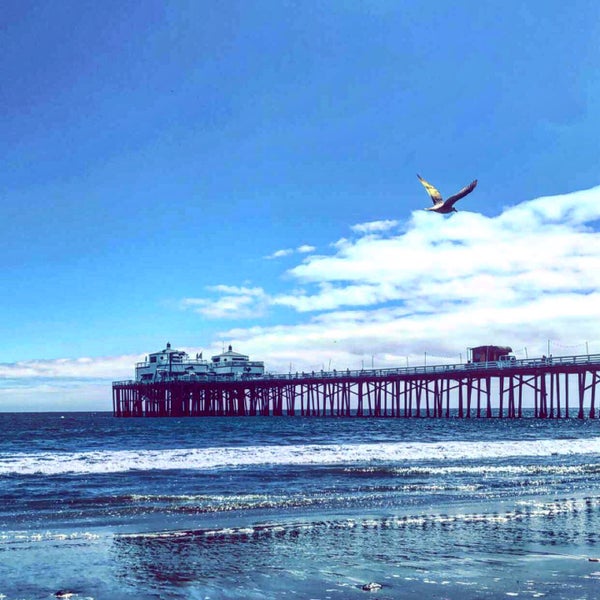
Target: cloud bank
{"x": 391, "y": 292}
{"x": 63, "y": 383}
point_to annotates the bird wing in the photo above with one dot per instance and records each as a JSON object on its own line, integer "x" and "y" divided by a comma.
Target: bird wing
{"x": 466, "y": 190}
{"x": 436, "y": 197}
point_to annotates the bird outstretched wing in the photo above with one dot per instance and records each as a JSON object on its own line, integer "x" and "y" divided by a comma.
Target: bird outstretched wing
{"x": 466, "y": 190}
{"x": 436, "y": 197}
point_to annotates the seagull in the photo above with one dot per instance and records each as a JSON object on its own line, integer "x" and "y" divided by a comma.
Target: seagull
{"x": 445, "y": 206}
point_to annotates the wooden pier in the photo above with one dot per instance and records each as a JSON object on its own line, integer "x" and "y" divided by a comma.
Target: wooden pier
{"x": 559, "y": 387}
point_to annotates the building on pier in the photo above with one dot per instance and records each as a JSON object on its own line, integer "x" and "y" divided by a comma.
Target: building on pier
{"x": 479, "y": 354}
{"x": 171, "y": 365}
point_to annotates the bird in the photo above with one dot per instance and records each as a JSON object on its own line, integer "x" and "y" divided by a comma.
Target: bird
{"x": 445, "y": 206}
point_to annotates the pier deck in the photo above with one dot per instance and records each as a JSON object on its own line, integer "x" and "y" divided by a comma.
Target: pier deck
{"x": 554, "y": 387}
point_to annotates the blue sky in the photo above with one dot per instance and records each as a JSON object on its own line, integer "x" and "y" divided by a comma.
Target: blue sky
{"x": 245, "y": 172}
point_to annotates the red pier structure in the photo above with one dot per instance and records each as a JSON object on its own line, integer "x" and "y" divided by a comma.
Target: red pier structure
{"x": 554, "y": 388}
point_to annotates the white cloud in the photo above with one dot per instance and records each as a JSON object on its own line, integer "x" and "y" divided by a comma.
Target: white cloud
{"x": 280, "y": 253}
{"x": 84, "y": 368}
{"x": 232, "y": 302}
{"x": 66, "y": 396}
{"x": 516, "y": 253}
{"x": 303, "y": 249}
{"x": 374, "y": 226}
{"x": 331, "y": 297}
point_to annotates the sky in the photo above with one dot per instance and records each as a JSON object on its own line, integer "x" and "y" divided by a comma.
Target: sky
{"x": 215, "y": 173}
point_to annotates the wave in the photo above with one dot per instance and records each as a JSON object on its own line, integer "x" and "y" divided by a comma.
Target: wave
{"x": 197, "y": 504}
{"x": 479, "y": 470}
{"x": 28, "y": 537}
{"x": 114, "y": 461}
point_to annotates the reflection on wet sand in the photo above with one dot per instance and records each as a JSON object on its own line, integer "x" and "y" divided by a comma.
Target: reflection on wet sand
{"x": 540, "y": 543}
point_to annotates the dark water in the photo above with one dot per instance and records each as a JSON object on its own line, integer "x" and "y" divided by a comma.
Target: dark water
{"x": 298, "y": 508}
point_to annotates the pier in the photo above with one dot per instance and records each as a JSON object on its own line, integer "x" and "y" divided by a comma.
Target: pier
{"x": 559, "y": 387}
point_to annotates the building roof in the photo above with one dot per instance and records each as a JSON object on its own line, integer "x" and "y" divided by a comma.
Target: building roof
{"x": 230, "y": 354}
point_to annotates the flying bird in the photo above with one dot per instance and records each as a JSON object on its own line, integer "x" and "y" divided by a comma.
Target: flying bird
{"x": 445, "y": 206}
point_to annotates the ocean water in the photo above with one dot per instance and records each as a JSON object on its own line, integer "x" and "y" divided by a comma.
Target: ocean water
{"x": 303, "y": 508}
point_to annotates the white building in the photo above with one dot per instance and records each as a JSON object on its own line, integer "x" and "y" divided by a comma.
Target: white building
{"x": 176, "y": 364}
{"x": 236, "y": 365}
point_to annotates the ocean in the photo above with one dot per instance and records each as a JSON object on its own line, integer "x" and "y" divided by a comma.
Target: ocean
{"x": 95, "y": 507}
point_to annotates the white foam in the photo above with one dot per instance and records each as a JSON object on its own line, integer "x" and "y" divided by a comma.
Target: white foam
{"x": 531, "y": 469}
{"x": 403, "y": 454}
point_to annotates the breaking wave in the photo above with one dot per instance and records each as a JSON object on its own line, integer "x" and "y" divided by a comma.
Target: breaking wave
{"x": 405, "y": 453}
